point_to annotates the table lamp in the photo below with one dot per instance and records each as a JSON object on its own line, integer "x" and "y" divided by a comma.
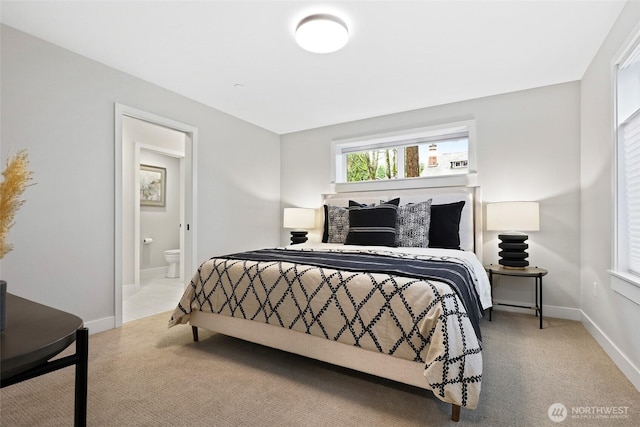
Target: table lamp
{"x": 513, "y": 217}
{"x": 300, "y": 219}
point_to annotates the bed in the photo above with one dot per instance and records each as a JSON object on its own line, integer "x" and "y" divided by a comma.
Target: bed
{"x": 394, "y": 289}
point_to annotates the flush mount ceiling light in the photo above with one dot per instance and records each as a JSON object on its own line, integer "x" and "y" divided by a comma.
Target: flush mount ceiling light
{"x": 322, "y": 33}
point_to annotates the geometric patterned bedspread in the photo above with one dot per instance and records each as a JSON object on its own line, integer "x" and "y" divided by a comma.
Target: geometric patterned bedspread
{"x": 414, "y": 319}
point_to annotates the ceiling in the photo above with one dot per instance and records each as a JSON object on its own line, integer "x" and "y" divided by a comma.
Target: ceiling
{"x": 240, "y": 56}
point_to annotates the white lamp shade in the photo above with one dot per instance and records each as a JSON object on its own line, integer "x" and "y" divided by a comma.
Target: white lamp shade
{"x": 322, "y": 33}
{"x": 513, "y": 216}
{"x": 299, "y": 218}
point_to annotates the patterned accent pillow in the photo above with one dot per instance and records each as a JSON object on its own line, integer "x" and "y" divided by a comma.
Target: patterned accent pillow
{"x": 412, "y": 225}
{"x": 336, "y": 224}
{"x": 372, "y": 226}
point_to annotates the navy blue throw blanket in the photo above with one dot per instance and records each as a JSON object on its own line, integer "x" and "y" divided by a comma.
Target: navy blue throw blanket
{"x": 452, "y": 273}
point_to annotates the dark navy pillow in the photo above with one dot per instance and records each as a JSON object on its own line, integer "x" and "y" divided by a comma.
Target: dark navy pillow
{"x": 444, "y": 230}
{"x": 372, "y": 226}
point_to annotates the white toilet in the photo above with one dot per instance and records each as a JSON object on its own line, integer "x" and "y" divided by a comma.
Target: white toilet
{"x": 172, "y": 256}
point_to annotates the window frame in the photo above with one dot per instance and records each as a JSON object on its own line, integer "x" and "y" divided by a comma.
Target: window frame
{"x": 623, "y": 281}
{"x": 404, "y": 137}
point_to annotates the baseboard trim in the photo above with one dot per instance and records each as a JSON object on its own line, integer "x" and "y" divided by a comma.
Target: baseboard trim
{"x": 562, "y": 312}
{"x": 547, "y": 310}
{"x": 100, "y": 325}
{"x": 622, "y": 362}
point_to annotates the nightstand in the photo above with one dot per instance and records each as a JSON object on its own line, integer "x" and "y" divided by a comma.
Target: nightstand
{"x": 534, "y": 272}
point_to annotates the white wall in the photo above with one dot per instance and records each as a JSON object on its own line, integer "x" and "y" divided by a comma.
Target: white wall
{"x": 60, "y": 107}
{"x": 528, "y": 149}
{"x": 612, "y": 318}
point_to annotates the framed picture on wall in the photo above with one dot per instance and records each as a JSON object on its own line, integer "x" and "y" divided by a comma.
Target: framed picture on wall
{"x": 153, "y": 185}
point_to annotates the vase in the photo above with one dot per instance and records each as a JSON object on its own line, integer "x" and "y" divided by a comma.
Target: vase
{"x": 3, "y": 304}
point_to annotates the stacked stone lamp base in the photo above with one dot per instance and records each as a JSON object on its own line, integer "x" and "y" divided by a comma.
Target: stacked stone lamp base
{"x": 513, "y": 250}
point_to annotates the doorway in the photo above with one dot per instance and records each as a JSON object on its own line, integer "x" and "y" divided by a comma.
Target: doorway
{"x": 171, "y": 146}
{"x": 156, "y": 285}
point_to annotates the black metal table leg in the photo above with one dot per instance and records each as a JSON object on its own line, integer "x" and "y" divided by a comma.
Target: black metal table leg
{"x": 539, "y": 280}
{"x": 82, "y": 370}
{"x": 491, "y": 286}
{"x": 537, "y": 306}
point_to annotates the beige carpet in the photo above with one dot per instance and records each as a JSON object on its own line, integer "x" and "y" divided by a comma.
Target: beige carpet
{"x": 144, "y": 374}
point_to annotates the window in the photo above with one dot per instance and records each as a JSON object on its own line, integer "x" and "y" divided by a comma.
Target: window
{"x": 626, "y": 268}
{"x": 436, "y": 152}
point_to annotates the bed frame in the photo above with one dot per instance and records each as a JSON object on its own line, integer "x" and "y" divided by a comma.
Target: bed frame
{"x": 336, "y": 353}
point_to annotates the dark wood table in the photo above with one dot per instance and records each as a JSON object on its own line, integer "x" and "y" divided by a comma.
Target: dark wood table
{"x": 35, "y": 334}
{"x": 533, "y": 272}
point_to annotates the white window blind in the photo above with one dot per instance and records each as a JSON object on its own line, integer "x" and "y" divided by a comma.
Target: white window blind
{"x": 631, "y": 146}
{"x": 625, "y": 271}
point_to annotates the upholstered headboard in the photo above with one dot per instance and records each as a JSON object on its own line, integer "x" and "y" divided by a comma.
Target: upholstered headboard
{"x": 471, "y": 217}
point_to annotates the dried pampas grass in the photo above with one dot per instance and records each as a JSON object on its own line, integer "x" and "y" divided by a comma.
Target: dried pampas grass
{"x": 16, "y": 179}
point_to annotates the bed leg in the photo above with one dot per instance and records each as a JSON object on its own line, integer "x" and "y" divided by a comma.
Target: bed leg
{"x": 194, "y": 330}
{"x": 455, "y": 412}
